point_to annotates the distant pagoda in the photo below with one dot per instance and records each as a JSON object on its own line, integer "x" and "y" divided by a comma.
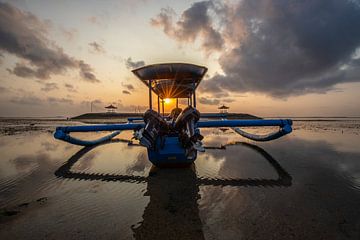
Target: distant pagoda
{"x": 111, "y": 108}
{"x": 223, "y": 109}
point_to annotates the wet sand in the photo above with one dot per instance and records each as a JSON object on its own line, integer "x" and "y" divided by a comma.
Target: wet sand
{"x": 303, "y": 186}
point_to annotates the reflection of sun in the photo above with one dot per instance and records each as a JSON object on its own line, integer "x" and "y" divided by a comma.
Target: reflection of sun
{"x": 167, "y": 100}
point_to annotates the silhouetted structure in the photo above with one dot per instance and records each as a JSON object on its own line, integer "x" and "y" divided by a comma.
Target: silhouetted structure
{"x": 111, "y": 108}
{"x": 223, "y": 109}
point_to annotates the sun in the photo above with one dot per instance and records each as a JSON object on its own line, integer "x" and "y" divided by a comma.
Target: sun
{"x": 167, "y": 100}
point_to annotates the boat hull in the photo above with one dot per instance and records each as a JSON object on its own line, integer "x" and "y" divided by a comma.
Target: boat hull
{"x": 169, "y": 152}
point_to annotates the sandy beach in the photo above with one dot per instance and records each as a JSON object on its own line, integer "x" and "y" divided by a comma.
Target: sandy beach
{"x": 303, "y": 186}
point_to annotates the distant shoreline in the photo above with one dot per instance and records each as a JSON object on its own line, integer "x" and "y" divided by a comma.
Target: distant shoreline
{"x": 127, "y": 115}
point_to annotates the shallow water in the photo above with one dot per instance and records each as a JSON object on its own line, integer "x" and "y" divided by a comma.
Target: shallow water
{"x": 303, "y": 186}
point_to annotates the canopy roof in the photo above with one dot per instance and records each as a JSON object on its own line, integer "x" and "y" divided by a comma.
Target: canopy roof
{"x": 171, "y": 80}
{"x": 223, "y": 107}
{"x": 111, "y": 107}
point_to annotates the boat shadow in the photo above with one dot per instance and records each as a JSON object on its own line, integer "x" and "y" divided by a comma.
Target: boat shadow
{"x": 284, "y": 179}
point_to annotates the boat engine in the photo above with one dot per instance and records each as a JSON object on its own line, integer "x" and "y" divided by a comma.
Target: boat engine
{"x": 185, "y": 124}
{"x": 155, "y": 125}
{"x": 175, "y": 113}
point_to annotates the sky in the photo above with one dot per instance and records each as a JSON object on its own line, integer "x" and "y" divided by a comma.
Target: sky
{"x": 267, "y": 58}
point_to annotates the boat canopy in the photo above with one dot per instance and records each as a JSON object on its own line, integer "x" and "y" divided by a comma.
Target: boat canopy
{"x": 171, "y": 80}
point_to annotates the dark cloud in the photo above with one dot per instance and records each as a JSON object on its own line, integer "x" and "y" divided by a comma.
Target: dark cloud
{"x": 25, "y": 36}
{"x": 209, "y": 101}
{"x": 96, "y": 47}
{"x": 130, "y": 64}
{"x": 126, "y": 92}
{"x": 195, "y": 22}
{"x": 70, "y": 87}
{"x": 129, "y": 86}
{"x": 97, "y": 101}
{"x": 86, "y": 72}
{"x": 279, "y": 48}
{"x": 49, "y": 87}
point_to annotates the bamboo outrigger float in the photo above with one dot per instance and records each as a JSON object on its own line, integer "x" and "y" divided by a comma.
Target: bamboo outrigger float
{"x": 175, "y": 139}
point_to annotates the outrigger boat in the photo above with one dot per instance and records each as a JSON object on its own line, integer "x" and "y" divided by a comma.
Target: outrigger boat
{"x": 172, "y": 140}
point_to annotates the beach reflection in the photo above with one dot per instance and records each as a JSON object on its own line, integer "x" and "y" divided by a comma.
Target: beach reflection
{"x": 172, "y": 212}
{"x": 302, "y": 186}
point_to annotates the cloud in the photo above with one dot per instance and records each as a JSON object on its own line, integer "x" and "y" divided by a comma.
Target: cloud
{"x": 130, "y": 108}
{"x": 195, "y": 22}
{"x": 69, "y": 34}
{"x": 97, "y": 101}
{"x": 93, "y": 19}
{"x": 209, "y": 101}
{"x": 96, "y": 47}
{"x": 70, "y": 87}
{"x": 129, "y": 86}
{"x": 126, "y": 92}
{"x": 28, "y": 98}
{"x": 133, "y": 65}
{"x": 25, "y": 36}
{"x": 97, "y": 104}
{"x": 228, "y": 100}
{"x": 98, "y": 20}
{"x": 278, "y": 48}
{"x": 55, "y": 100}
{"x": 86, "y": 72}
{"x": 49, "y": 87}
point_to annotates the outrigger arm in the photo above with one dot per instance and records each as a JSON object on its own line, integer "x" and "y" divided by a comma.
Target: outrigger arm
{"x": 284, "y": 124}
{"x": 63, "y": 133}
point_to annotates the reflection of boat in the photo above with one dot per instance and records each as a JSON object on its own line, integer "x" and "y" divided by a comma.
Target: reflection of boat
{"x": 284, "y": 178}
{"x": 223, "y": 129}
{"x": 175, "y": 139}
{"x": 173, "y": 212}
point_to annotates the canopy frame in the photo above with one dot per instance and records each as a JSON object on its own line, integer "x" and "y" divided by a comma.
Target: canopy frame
{"x": 171, "y": 80}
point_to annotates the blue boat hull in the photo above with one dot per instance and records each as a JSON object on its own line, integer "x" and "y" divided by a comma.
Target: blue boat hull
{"x": 170, "y": 153}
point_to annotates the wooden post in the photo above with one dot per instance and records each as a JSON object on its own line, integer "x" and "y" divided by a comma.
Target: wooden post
{"x": 150, "y": 95}
{"x": 158, "y": 104}
{"x": 163, "y": 109}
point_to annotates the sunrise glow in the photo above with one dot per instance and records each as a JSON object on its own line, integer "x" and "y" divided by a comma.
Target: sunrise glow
{"x": 167, "y": 100}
